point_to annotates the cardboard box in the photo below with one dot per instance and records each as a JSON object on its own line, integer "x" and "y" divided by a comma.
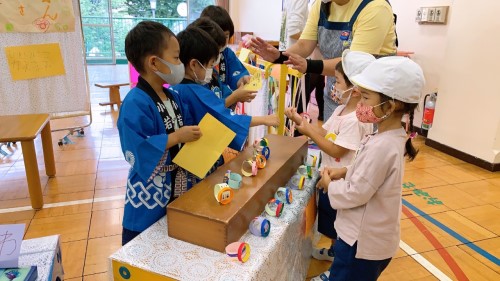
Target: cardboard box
{"x": 196, "y": 217}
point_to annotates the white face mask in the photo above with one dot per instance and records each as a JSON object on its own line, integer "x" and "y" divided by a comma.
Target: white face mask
{"x": 208, "y": 75}
{"x": 176, "y": 72}
{"x": 339, "y": 96}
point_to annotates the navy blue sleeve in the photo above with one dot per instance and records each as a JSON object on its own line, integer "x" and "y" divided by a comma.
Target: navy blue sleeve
{"x": 201, "y": 101}
{"x": 235, "y": 69}
{"x": 143, "y": 142}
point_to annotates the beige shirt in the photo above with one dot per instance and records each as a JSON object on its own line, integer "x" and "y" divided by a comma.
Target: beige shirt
{"x": 368, "y": 201}
{"x": 349, "y": 133}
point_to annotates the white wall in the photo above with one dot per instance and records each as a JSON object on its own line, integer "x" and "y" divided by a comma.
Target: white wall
{"x": 262, "y": 17}
{"x": 468, "y": 108}
{"x": 427, "y": 41}
{"x": 461, "y": 61}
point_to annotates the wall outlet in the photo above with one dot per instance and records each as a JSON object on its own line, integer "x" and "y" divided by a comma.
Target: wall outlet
{"x": 440, "y": 14}
{"x": 431, "y": 14}
{"x": 425, "y": 14}
{"x": 418, "y": 17}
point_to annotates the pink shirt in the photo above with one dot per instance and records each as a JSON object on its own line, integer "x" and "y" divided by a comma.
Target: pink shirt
{"x": 349, "y": 132}
{"x": 368, "y": 201}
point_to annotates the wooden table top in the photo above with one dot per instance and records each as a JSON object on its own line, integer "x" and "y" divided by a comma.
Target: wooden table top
{"x": 21, "y": 127}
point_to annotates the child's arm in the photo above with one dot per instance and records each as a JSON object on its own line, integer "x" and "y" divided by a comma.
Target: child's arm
{"x": 317, "y": 134}
{"x": 240, "y": 95}
{"x": 235, "y": 70}
{"x": 268, "y": 120}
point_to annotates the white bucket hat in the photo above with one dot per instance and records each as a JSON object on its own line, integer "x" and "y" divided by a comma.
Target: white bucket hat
{"x": 397, "y": 77}
{"x": 354, "y": 62}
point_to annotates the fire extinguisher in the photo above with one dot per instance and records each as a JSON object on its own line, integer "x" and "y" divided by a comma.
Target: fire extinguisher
{"x": 429, "y": 108}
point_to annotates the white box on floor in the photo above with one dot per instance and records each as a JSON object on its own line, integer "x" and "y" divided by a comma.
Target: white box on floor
{"x": 45, "y": 253}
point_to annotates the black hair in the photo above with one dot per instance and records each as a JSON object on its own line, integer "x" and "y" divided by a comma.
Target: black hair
{"x": 220, "y": 16}
{"x": 195, "y": 43}
{"x": 212, "y": 28}
{"x": 146, "y": 38}
{"x": 339, "y": 68}
{"x": 408, "y": 108}
{"x": 325, "y": 8}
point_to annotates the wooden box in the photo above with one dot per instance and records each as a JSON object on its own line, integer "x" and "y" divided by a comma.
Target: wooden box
{"x": 196, "y": 217}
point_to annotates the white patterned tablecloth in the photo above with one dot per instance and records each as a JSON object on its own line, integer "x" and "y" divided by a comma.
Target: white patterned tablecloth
{"x": 45, "y": 253}
{"x": 283, "y": 255}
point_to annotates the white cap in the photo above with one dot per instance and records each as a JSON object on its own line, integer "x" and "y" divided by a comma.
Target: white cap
{"x": 397, "y": 77}
{"x": 354, "y": 62}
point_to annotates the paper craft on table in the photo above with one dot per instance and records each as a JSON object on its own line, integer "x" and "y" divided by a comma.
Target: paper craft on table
{"x": 35, "y": 61}
{"x": 11, "y": 238}
{"x": 199, "y": 156}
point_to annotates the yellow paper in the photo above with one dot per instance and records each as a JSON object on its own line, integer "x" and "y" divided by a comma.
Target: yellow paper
{"x": 244, "y": 53}
{"x": 255, "y": 83}
{"x": 199, "y": 156}
{"x": 37, "y": 16}
{"x": 35, "y": 61}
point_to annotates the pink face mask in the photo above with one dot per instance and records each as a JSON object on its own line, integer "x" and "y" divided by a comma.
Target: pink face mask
{"x": 365, "y": 113}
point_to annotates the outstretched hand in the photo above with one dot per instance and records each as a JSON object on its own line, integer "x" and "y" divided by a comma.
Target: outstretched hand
{"x": 297, "y": 62}
{"x": 263, "y": 49}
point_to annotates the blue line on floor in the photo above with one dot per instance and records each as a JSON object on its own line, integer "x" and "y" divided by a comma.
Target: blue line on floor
{"x": 457, "y": 236}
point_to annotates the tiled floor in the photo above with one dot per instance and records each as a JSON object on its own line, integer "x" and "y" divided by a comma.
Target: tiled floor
{"x": 93, "y": 167}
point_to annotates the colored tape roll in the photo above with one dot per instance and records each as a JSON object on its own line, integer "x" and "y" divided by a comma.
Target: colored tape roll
{"x": 274, "y": 207}
{"x": 260, "y": 226}
{"x": 284, "y": 194}
{"x": 238, "y": 251}
{"x": 260, "y": 161}
{"x": 297, "y": 182}
{"x": 264, "y": 142}
{"x": 266, "y": 151}
{"x": 249, "y": 168}
{"x": 305, "y": 171}
{"x": 232, "y": 179}
{"x": 311, "y": 160}
{"x": 223, "y": 193}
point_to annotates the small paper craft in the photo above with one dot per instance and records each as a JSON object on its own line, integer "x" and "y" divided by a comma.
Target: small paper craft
{"x": 35, "y": 61}
{"x": 11, "y": 237}
{"x": 244, "y": 53}
{"x": 199, "y": 156}
{"x": 255, "y": 83}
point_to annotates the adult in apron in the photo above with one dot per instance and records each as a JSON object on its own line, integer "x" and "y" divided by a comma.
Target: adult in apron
{"x": 333, "y": 39}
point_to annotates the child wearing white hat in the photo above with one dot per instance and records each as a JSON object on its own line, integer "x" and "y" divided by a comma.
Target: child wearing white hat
{"x": 367, "y": 193}
{"x": 338, "y": 138}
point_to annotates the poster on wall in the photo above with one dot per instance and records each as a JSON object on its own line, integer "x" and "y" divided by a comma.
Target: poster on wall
{"x": 36, "y": 16}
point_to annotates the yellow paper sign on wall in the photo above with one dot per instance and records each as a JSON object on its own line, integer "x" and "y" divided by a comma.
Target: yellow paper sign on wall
{"x": 199, "y": 156}
{"x": 35, "y": 61}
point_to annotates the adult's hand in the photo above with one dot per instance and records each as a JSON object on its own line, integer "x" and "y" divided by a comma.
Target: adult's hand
{"x": 297, "y": 62}
{"x": 263, "y": 49}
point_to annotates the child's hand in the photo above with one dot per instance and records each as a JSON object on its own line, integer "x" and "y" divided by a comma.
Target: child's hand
{"x": 324, "y": 182}
{"x": 304, "y": 127}
{"x": 242, "y": 95}
{"x": 272, "y": 120}
{"x": 188, "y": 134}
{"x": 243, "y": 81}
{"x": 336, "y": 173}
{"x": 292, "y": 114}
